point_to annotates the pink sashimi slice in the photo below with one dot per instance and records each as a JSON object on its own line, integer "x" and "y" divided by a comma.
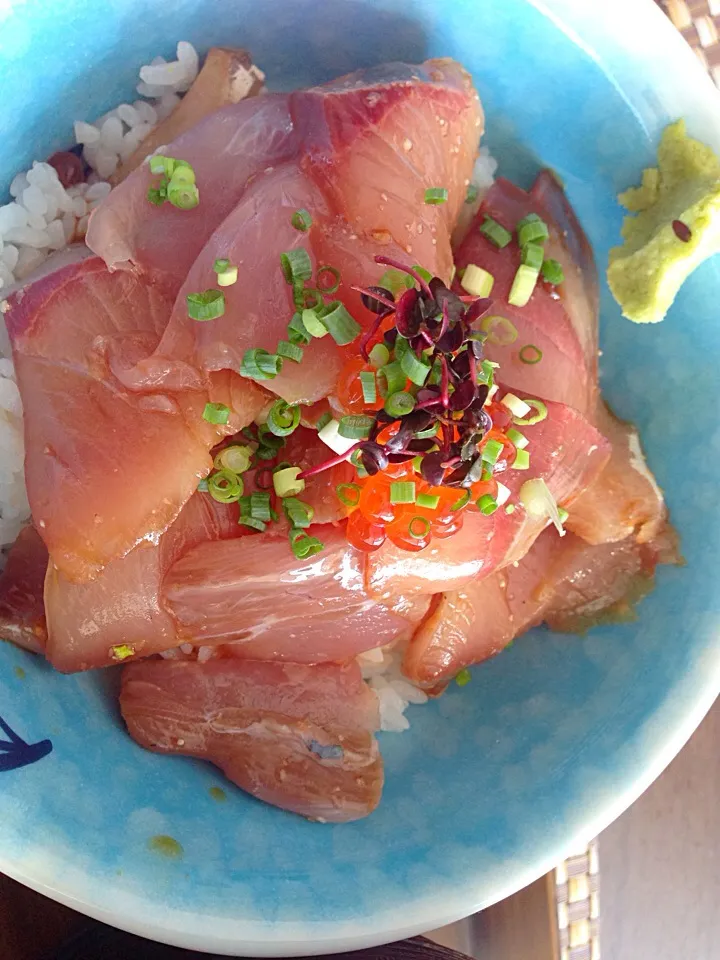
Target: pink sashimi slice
{"x": 376, "y": 140}
{"x": 625, "y": 500}
{"x": 85, "y": 435}
{"x": 295, "y": 736}
{"x": 304, "y": 449}
{"x": 561, "y": 324}
{"x": 22, "y": 613}
{"x": 226, "y": 150}
{"x": 567, "y": 583}
{"x": 120, "y": 615}
{"x": 253, "y": 593}
{"x": 565, "y": 450}
{"x": 258, "y": 307}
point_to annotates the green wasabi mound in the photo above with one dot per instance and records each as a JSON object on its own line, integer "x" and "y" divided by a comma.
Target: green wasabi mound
{"x": 674, "y": 224}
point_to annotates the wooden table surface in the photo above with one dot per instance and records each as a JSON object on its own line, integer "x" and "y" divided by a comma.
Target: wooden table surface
{"x": 659, "y": 894}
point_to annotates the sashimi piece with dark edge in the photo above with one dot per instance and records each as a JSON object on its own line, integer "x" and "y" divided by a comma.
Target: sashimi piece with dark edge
{"x": 85, "y": 435}
{"x": 226, "y": 150}
{"x": 298, "y": 737}
{"x": 22, "y": 612}
{"x": 375, "y": 141}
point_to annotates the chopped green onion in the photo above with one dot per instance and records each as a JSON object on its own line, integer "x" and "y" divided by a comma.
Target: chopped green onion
{"x": 330, "y": 435}
{"x": 563, "y": 514}
{"x": 399, "y": 404}
{"x": 530, "y": 354}
{"x": 296, "y": 265}
{"x": 323, "y": 421}
{"x": 510, "y": 508}
{"x": 342, "y": 327}
{"x": 523, "y": 285}
{"x": 260, "y": 506}
{"x": 425, "y": 274}
{"x": 263, "y": 478}
{"x": 304, "y": 546}
{"x": 270, "y": 439}
{"x": 314, "y": 326}
{"x": 487, "y": 505}
{"x": 179, "y": 171}
{"x": 436, "y": 195}
{"x": 516, "y": 406}
{"x": 225, "y": 486}
{"x": 216, "y": 413}
{"x": 259, "y": 364}
{"x": 396, "y": 281}
{"x": 472, "y": 193}
{"x": 202, "y": 486}
{"x": 184, "y": 196}
{"x": 491, "y": 451}
{"x": 393, "y": 375}
{"x": 532, "y": 231}
{"x": 301, "y": 220}
{"x": 379, "y": 355}
{"x": 235, "y": 457}
{"x": 463, "y": 678}
{"x": 334, "y": 283}
{"x": 290, "y": 351}
{"x": 530, "y": 218}
{"x": 283, "y": 419}
{"x": 552, "y": 272}
{"x": 538, "y": 501}
{"x": 355, "y": 426}
{"x": 227, "y": 274}
{"x": 307, "y": 298}
{"x": 499, "y": 330}
{"x": 402, "y": 491}
{"x": 369, "y": 387}
{"x": 266, "y": 453}
{"x": 419, "y": 527}
{"x": 428, "y": 501}
{"x": 431, "y": 431}
{"x": 161, "y": 164}
{"x": 533, "y": 255}
{"x": 522, "y": 460}
{"x": 414, "y": 369}
{"x": 208, "y": 305}
{"x": 348, "y": 493}
{"x": 476, "y": 281}
{"x": 158, "y": 196}
{"x": 298, "y": 332}
{"x": 402, "y": 345}
{"x": 462, "y": 500}
{"x": 485, "y": 373}
{"x": 247, "y": 521}
{"x": 519, "y": 440}
{"x": 299, "y": 514}
{"x": 286, "y": 482}
{"x": 416, "y": 463}
{"x": 121, "y": 652}
{"x": 540, "y": 414}
{"x": 495, "y": 232}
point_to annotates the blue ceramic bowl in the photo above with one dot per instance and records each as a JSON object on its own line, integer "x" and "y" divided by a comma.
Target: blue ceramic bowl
{"x": 554, "y": 738}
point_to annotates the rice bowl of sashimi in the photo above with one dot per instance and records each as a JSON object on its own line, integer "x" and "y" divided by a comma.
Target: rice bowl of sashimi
{"x": 352, "y": 565}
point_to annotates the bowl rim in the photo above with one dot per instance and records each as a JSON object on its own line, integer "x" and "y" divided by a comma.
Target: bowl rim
{"x": 616, "y": 22}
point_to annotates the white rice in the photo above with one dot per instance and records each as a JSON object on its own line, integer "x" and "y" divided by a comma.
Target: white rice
{"x": 381, "y": 668}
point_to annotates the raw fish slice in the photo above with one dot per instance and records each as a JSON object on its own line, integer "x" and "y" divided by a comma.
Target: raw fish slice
{"x": 253, "y": 593}
{"x": 625, "y": 500}
{"x": 304, "y": 449}
{"x": 562, "y": 324}
{"x": 105, "y": 469}
{"x": 226, "y": 150}
{"x": 258, "y": 306}
{"x": 377, "y": 139}
{"x": 565, "y": 450}
{"x": 298, "y": 737}
{"x": 22, "y": 613}
{"x": 120, "y": 614}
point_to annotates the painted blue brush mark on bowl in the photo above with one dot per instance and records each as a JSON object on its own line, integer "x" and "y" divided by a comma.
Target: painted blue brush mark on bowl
{"x": 550, "y": 740}
{"x": 15, "y": 752}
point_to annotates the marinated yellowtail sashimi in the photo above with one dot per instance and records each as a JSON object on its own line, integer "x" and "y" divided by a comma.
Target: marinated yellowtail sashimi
{"x": 85, "y": 435}
{"x": 255, "y": 594}
{"x": 22, "y": 612}
{"x": 295, "y": 736}
{"x": 567, "y": 583}
{"x": 377, "y": 140}
{"x": 225, "y": 150}
{"x": 120, "y": 614}
{"x": 566, "y": 452}
{"x": 549, "y": 346}
{"x": 257, "y": 307}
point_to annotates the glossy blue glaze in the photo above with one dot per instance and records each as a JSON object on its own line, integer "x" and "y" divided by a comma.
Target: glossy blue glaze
{"x": 552, "y": 739}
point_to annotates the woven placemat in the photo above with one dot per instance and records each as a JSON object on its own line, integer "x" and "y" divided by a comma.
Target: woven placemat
{"x": 577, "y": 878}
